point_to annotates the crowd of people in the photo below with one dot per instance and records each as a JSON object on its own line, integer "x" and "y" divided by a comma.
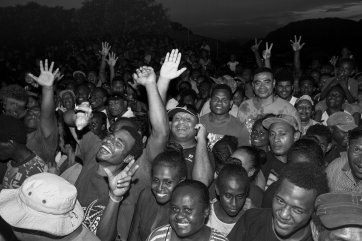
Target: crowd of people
{"x": 132, "y": 143}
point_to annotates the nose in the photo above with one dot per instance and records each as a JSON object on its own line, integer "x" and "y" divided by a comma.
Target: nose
{"x": 285, "y": 213}
{"x": 233, "y": 203}
{"x": 160, "y": 186}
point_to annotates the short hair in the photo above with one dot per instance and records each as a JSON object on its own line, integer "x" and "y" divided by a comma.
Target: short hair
{"x": 263, "y": 70}
{"x": 15, "y": 92}
{"x": 222, "y": 87}
{"x": 284, "y": 75}
{"x": 308, "y": 148}
{"x": 240, "y": 90}
{"x": 137, "y": 148}
{"x": 101, "y": 90}
{"x": 355, "y": 133}
{"x": 198, "y": 186}
{"x": 306, "y": 78}
{"x": 306, "y": 175}
{"x": 233, "y": 170}
{"x": 223, "y": 149}
{"x": 338, "y": 88}
{"x": 99, "y": 114}
{"x": 173, "y": 159}
{"x": 320, "y": 130}
{"x": 188, "y": 92}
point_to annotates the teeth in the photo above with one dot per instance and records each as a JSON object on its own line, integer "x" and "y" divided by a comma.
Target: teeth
{"x": 182, "y": 224}
{"x": 161, "y": 195}
{"x": 106, "y": 148}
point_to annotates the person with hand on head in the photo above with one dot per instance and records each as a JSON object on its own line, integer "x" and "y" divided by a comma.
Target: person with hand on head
{"x": 232, "y": 187}
{"x": 44, "y": 208}
{"x": 189, "y": 209}
{"x": 41, "y": 123}
{"x": 338, "y": 216}
{"x": 19, "y": 161}
{"x": 292, "y": 208}
{"x": 168, "y": 169}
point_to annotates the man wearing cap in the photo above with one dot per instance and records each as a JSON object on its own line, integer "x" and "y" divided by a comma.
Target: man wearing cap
{"x": 345, "y": 172}
{"x": 339, "y": 123}
{"x": 67, "y": 98}
{"x": 21, "y": 162}
{"x": 264, "y": 102}
{"x": 304, "y": 106}
{"x": 338, "y": 216}
{"x": 219, "y": 122}
{"x": 284, "y": 130}
{"x": 79, "y": 76}
{"x": 45, "y": 207}
{"x": 292, "y": 208}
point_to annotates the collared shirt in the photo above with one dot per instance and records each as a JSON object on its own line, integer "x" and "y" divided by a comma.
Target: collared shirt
{"x": 340, "y": 177}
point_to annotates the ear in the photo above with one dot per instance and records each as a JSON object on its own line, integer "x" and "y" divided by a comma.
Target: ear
{"x": 207, "y": 212}
{"x": 296, "y": 135}
{"x": 104, "y": 127}
{"x": 273, "y": 83}
{"x": 315, "y": 233}
{"x": 217, "y": 191}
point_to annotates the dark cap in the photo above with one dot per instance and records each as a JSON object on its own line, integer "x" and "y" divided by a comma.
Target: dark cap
{"x": 288, "y": 119}
{"x": 12, "y": 129}
{"x": 184, "y": 108}
{"x": 339, "y": 209}
{"x": 342, "y": 120}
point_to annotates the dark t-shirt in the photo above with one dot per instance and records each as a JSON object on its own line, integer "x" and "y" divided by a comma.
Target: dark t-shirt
{"x": 272, "y": 169}
{"x": 256, "y": 225}
{"x": 189, "y": 155}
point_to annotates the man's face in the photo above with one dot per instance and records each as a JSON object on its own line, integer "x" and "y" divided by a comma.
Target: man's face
{"x": 187, "y": 212}
{"x": 96, "y": 126}
{"x": 339, "y": 136}
{"x": 183, "y": 126}
{"x": 82, "y": 94}
{"x": 345, "y": 70}
{"x": 220, "y": 102}
{"x": 164, "y": 180}
{"x": 322, "y": 81}
{"x": 32, "y": 118}
{"x": 305, "y": 110}
{"x": 117, "y": 87}
{"x": 13, "y": 107}
{"x": 281, "y": 138}
{"x": 341, "y": 234}
{"x": 355, "y": 157}
{"x": 92, "y": 77}
{"x": 292, "y": 209}
{"x": 259, "y": 135}
{"x": 263, "y": 85}
{"x": 232, "y": 195}
{"x": 238, "y": 98}
{"x": 284, "y": 89}
{"x": 115, "y": 147}
{"x": 96, "y": 99}
{"x": 116, "y": 107}
{"x": 307, "y": 87}
{"x": 335, "y": 99}
{"x": 68, "y": 101}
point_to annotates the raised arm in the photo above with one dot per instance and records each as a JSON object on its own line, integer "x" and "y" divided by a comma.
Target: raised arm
{"x": 255, "y": 49}
{"x": 169, "y": 71}
{"x": 111, "y": 61}
{"x": 297, "y": 46}
{"x": 48, "y": 122}
{"x": 202, "y": 170}
{"x": 119, "y": 184}
{"x": 157, "y": 113}
{"x": 102, "y": 68}
{"x": 267, "y": 55}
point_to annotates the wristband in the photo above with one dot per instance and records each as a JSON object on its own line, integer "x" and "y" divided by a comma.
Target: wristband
{"x": 113, "y": 199}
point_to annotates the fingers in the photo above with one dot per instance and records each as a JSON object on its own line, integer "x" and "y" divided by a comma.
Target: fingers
{"x": 181, "y": 71}
{"x": 167, "y": 57}
{"x": 128, "y": 159}
{"x": 128, "y": 167}
{"x": 56, "y": 71}
{"x": 108, "y": 172}
{"x": 33, "y": 77}
{"x": 199, "y": 126}
{"x": 271, "y": 46}
{"x": 41, "y": 66}
{"x": 46, "y": 65}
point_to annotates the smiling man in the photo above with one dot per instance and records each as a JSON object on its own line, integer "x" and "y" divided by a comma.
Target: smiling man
{"x": 293, "y": 206}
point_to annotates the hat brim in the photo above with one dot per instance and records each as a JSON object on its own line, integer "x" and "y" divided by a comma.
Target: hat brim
{"x": 271, "y": 120}
{"x": 175, "y": 110}
{"x": 346, "y": 128}
{"x": 341, "y": 219}
{"x": 15, "y": 213}
{"x": 78, "y": 72}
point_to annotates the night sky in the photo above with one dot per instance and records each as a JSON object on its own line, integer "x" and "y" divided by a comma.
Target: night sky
{"x": 239, "y": 19}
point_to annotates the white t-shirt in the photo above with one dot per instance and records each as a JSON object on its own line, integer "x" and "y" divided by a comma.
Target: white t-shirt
{"x": 215, "y": 223}
{"x": 232, "y": 65}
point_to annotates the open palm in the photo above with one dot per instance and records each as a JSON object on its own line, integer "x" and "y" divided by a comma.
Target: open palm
{"x": 169, "y": 69}
{"x": 47, "y": 76}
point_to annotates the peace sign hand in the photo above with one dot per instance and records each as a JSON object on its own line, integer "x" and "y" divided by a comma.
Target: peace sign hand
{"x": 267, "y": 51}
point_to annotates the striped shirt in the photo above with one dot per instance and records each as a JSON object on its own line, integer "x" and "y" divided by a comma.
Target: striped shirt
{"x": 340, "y": 177}
{"x": 164, "y": 234}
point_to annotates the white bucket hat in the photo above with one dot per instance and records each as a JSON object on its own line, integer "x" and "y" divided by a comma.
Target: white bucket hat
{"x": 44, "y": 202}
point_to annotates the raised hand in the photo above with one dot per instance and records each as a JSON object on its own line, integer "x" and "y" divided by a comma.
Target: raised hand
{"x": 255, "y": 47}
{"x": 58, "y": 76}
{"x": 296, "y": 45}
{"x": 120, "y": 183}
{"x": 169, "y": 69}
{"x": 144, "y": 75}
{"x": 47, "y": 76}
{"x": 112, "y": 59}
{"x": 202, "y": 133}
{"x": 105, "y": 49}
{"x": 334, "y": 60}
{"x": 83, "y": 115}
{"x": 267, "y": 51}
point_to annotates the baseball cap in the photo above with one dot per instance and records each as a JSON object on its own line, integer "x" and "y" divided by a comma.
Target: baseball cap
{"x": 63, "y": 92}
{"x": 45, "y": 202}
{"x": 291, "y": 120}
{"x": 339, "y": 209}
{"x": 342, "y": 120}
{"x": 304, "y": 97}
{"x": 184, "y": 108}
{"x": 78, "y": 72}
